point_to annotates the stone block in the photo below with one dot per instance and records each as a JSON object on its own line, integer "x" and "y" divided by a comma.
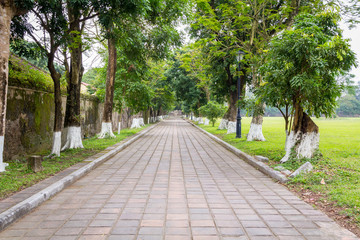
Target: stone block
{"x": 305, "y": 168}
{"x": 262, "y": 158}
{"x": 286, "y": 172}
{"x": 279, "y": 168}
{"x": 34, "y": 163}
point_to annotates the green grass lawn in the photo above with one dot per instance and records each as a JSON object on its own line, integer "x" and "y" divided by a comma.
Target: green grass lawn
{"x": 18, "y": 176}
{"x": 339, "y": 166}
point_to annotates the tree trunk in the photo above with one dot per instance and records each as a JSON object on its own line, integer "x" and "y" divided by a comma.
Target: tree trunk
{"x": 255, "y": 132}
{"x": 72, "y": 121}
{"x": 158, "y": 114}
{"x": 146, "y": 116}
{"x": 304, "y": 136}
{"x": 106, "y": 128}
{"x": 231, "y": 113}
{"x": 151, "y": 113}
{"x": 6, "y": 14}
{"x": 56, "y": 147}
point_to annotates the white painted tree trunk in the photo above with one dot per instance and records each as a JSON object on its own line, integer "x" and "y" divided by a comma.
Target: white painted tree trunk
{"x": 304, "y": 145}
{"x": 255, "y": 133}
{"x": 73, "y": 138}
{"x": 223, "y": 124}
{"x": 56, "y": 146}
{"x": 119, "y": 127}
{"x": 207, "y": 121}
{"x": 7, "y": 12}
{"x": 159, "y": 118}
{"x": 141, "y": 122}
{"x": 2, "y": 164}
{"x": 135, "y": 123}
{"x": 200, "y": 120}
{"x": 231, "y": 127}
{"x": 286, "y": 138}
{"x": 106, "y": 130}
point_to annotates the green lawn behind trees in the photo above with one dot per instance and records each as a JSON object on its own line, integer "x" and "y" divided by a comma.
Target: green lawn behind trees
{"x": 339, "y": 166}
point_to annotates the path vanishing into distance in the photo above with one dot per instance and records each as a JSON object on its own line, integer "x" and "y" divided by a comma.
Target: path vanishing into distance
{"x": 175, "y": 183}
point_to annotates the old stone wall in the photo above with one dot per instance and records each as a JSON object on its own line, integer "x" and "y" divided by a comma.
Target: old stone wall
{"x": 30, "y": 120}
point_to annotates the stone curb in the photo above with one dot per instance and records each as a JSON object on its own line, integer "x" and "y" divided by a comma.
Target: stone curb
{"x": 247, "y": 158}
{"x": 12, "y": 214}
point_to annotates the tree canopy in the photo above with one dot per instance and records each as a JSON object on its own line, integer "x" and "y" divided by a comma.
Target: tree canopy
{"x": 304, "y": 63}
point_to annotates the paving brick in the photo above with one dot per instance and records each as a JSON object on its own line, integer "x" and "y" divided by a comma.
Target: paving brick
{"x": 173, "y": 183}
{"x": 232, "y": 232}
{"x": 97, "y": 231}
{"x": 203, "y": 231}
{"x": 69, "y": 232}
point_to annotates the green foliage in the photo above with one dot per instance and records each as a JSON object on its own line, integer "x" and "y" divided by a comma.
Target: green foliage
{"x": 188, "y": 89}
{"x": 32, "y": 53}
{"x": 225, "y": 27}
{"x": 303, "y": 64}
{"x": 212, "y": 111}
{"x": 349, "y": 105}
{"x": 253, "y": 106}
{"x": 29, "y": 50}
{"x": 91, "y": 75}
{"x": 163, "y": 97}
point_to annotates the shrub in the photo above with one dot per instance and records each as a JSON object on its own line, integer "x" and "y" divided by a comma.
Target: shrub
{"x": 212, "y": 111}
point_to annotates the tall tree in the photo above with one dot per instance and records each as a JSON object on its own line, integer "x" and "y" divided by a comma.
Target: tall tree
{"x": 8, "y": 10}
{"x": 51, "y": 17}
{"x": 78, "y": 12}
{"x": 148, "y": 26}
{"x": 302, "y": 69}
{"x": 111, "y": 17}
{"x": 227, "y": 26}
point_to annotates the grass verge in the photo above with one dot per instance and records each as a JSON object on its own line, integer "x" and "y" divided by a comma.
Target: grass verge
{"x": 339, "y": 165}
{"x": 18, "y": 177}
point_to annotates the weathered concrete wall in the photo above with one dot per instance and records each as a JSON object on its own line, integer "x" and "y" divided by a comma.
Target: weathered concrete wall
{"x": 30, "y": 120}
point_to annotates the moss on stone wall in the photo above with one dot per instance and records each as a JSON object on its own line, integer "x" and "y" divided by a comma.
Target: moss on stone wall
{"x": 29, "y": 121}
{"x": 25, "y": 75}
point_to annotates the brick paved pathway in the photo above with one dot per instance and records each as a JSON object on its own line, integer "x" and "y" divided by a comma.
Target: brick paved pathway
{"x": 175, "y": 183}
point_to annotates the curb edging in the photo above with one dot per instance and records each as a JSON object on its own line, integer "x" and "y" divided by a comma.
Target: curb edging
{"x": 247, "y": 158}
{"x": 12, "y": 214}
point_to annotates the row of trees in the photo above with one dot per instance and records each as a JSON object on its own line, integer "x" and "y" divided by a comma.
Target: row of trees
{"x": 295, "y": 61}
{"x": 138, "y": 30}
{"x": 349, "y": 104}
{"x": 294, "y": 56}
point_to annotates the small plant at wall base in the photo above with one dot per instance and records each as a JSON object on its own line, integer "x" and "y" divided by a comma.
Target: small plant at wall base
{"x": 212, "y": 111}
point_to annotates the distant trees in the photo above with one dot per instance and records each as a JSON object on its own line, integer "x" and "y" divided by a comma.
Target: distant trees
{"x": 185, "y": 85}
{"x": 349, "y": 104}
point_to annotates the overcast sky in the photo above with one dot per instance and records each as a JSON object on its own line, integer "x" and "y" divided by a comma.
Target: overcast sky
{"x": 354, "y": 35}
